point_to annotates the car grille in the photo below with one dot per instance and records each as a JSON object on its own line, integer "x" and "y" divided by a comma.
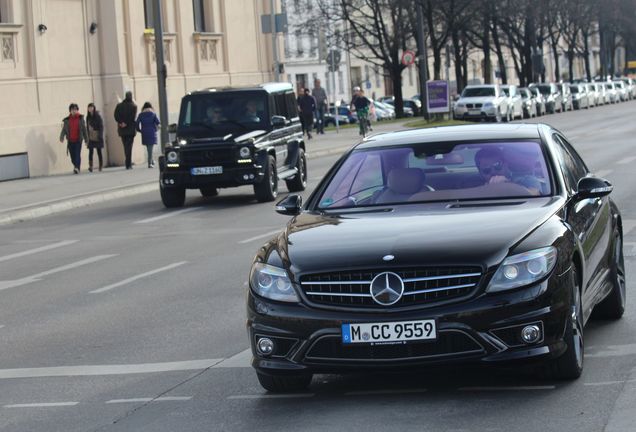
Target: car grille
{"x": 208, "y": 157}
{"x": 422, "y": 286}
{"x": 448, "y": 343}
{"x": 477, "y": 105}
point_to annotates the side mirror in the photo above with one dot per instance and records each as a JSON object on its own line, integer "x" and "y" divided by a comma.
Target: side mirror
{"x": 279, "y": 121}
{"x": 172, "y": 128}
{"x": 290, "y": 206}
{"x": 593, "y": 187}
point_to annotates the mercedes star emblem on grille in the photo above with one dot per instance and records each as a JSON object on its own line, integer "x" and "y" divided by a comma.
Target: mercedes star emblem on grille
{"x": 387, "y": 288}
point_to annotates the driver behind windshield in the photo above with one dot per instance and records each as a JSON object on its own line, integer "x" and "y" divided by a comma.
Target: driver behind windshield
{"x": 494, "y": 169}
{"x": 214, "y": 115}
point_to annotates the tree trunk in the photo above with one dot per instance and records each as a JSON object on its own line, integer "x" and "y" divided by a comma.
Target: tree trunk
{"x": 554, "y": 43}
{"x": 457, "y": 53}
{"x": 500, "y": 58}
{"x": 464, "y": 43}
{"x": 570, "y": 55}
{"x": 586, "y": 55}
{"x": 486, "y": 49}
{"x": 396, "y": 78}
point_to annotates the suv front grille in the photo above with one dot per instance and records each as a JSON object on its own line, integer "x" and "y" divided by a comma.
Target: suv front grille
{"x": 208, "y": 157}
{"x": 422, "y": 286}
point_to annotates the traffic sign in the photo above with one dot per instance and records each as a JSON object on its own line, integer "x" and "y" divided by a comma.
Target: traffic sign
{"x": 408, "y": 57}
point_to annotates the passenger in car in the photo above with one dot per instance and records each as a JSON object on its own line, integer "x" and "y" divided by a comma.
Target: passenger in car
{"x": 494, "y": 169}
{"x": 214, "y": 115}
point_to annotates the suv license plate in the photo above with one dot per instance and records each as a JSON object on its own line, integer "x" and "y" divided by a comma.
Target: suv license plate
{"x": 389, "y": 332}
{"x": 206, "y": 170}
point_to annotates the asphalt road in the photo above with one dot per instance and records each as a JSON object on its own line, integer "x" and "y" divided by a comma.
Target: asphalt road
{"x": 127, "y": 317}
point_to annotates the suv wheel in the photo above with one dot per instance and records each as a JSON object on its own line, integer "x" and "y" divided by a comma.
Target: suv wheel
{"x": 267, "y": 189}
{"x": 299, "y": 182}
{"x": 172, "y": 197}
{"x": 284, "y": 384}
{"x": 209, "y": 191}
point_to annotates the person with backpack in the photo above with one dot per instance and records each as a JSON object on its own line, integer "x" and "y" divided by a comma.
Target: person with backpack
{"x": 95, "y": 125}
{"x": 147, "y": 125}
{"x": 74, "y": 130}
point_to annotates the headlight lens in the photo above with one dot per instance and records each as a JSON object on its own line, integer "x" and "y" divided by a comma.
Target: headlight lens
{"x": 523, "y": 269}
{"x": 460, "y": 105}
{"x": 183, "y": 142}
{"x": 172, "y": 156}
{"x": 245, "y": 152}
{"x": 488, "y": 105}
{"x": 272, "y": 283}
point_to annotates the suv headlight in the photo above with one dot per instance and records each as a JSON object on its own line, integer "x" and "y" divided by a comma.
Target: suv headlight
{"x": 245, "y": 152}
{"x": 272, "y": 283}
{"x": 172, "y": 156}
{"x": 523, "y": 269}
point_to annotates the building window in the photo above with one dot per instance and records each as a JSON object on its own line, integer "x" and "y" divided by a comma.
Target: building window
{"x": 299, "y": 43}
{"x": 199, "y": 9}
{"x": 376, "y": 71}
{"x": 5, "y": 15}
{"x": 313, "y": 43}
{"x": 314, "y": 77}
{"x": 340, "y": 82}
{"x": 149, "y": 14}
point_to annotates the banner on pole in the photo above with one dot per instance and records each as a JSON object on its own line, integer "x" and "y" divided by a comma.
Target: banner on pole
{"x": 438, "y": 96}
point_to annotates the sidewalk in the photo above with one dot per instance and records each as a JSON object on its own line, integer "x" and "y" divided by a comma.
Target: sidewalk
{"x": 41, "y": 196}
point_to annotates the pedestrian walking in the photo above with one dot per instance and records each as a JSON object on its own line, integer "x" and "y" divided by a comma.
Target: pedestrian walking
{"x": 307, "y": 108}
{"x": 320, "y": 95}
{"x": 147, "y": 125}
{"x": 74, "y": 130}
{"x": 95, "y": 125}
{"x": 125, "y": 116}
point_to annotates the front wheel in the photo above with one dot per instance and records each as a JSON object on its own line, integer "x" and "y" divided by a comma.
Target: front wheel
{"x": 299, "y": 182}
{"x": 284, "y": 384}
{"x": 172, "y": 197}
{"x": 267, "y": 189}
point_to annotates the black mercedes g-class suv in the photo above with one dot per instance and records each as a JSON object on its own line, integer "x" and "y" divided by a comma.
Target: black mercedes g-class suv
{"x": 229, "y": 137}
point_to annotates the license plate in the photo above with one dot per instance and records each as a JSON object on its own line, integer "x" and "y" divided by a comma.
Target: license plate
{"x": 474, "y": 112}
{"x": 389, "y": 332}
{"x": 206, "y": 170}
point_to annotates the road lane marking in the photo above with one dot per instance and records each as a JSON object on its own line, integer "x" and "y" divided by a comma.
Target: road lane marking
{"x": 603, "y": 173}
{"x": 159, "y": 399}
{"x": 615, "y": 351}
{"x": 240, "y": 360}
{"x": 41, "y": 405}
{"x": 96, "y": 370}
{"x": 384, "y": 392}
{"x": 273, "y": 396}
{"x": 603, "y": 383}
{"x": 37, "y": 277}
{"x": 626, "y": 160}
{"x": 137, "y": 277}
{"x": 167, "y": 215}
{"x": 268, "y": 234}
{"x": 512, "y": 388}
{"x": 37, "y": 250}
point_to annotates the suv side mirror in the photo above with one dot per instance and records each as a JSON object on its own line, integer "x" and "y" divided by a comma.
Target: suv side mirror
{"x": 279, "y": 121}
{"x": 172, "y": 128}
{"x": 290, "y": 206}
{"x": 593, "y": 187}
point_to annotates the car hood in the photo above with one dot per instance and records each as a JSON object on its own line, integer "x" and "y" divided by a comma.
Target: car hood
{"x": 431, "y": 234}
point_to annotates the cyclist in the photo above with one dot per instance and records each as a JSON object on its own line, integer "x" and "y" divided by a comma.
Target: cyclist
{"x": 360, "y": 104}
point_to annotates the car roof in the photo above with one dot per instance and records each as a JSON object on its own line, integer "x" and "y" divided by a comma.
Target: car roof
{"x": 273, "y": 87}
{"x": 453, "y": 133}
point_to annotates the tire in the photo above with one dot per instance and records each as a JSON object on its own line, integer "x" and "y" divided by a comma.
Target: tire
{"x": 570, "y": 365}
{"x": 267, "y": 189}
{"x": 613, "y": 306}
{"x": 172, "y": 197}
{"x": 498, "y": 117}
{"x": 299, "y": 182}
{"x": 284, "y": 384}
{"x": 209, "y": 191}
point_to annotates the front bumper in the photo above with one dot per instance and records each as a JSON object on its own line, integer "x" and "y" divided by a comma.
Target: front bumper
{"x": 482, "y": 113}
{"x": 484, "y": 329}
{"x": 232, "y": 176}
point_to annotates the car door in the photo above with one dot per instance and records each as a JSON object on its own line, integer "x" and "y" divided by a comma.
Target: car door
{"x": 590, "y": 220}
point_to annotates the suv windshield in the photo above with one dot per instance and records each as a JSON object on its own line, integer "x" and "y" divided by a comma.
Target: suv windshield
{"x": 433, "y": 172}
{"x": 478, "y": 92}
{"x": 224, "y": 113}
{"x": 544, "y": 89}
{"x": 574, "y": 89}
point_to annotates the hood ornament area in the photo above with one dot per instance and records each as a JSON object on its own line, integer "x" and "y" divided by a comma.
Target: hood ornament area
{"x": 388, "y": 258}
{"x": 387, "y": 288}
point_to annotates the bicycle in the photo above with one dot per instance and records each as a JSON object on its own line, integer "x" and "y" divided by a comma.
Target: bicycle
{"x": 363, "y": 121}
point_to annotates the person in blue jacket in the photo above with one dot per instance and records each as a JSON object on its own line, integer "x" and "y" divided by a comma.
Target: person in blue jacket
{"x": 148, "y": 124}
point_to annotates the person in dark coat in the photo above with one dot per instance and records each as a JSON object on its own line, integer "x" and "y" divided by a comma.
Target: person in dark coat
{"x": 95, "y": 125}
{"x": 74, "y": 130}
{"x": 125, "y": 116}
{"x": 307, "y": 108}
{"x": 147, "y": 125}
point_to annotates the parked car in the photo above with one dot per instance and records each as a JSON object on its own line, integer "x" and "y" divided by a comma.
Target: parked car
{"x": 603, "y": 96}
{"x": 553, "y": 97}
{"x": 414, "y": 106}
{"x": 621, "y": 90}
{"x": 235, "y": 136}
{"x": 330, "y": 118}
{"x": 529, "y": 103}
{"x": 482, "y": 102}
{"x": 406, "y": 254}
{"x": 612, "y": 92}
{"x": 579, "y": 96}
{"x": 592, "y": 94}
{"x": 382, "y": 113}
{"x": 515, "y": 102}
{"x": 539, "y": 99}
{"x": 631, "y": 87}
{"x": 344, "y": 110}
{"x": 568, "y": 104}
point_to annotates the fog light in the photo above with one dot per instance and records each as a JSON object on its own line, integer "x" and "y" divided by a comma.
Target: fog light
{"x": 265, "y": 346}
{"x": 246, "y": 177}
{"x": 530, "y": 334}
{"x": 171, "y": 181}
{"x": 251, "y": 176}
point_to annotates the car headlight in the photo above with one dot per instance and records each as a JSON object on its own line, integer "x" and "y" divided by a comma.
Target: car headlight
{"x": 523, "y": 269}
{"x": 272, "y": 283}
{"x": 172, "y": 156}
{"x": 488, "y": 105}
{"x": 461, "y": 105}
{"x": 183, "y": 142}
{"x": 245, "y": 152}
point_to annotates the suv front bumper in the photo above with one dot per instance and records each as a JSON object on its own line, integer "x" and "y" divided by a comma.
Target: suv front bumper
{"x": 230, "y": 177}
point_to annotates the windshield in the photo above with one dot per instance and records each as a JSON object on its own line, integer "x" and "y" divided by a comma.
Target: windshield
{"x": 574, "y": 89}
{"x": 224, "y": 113}
{"x": 545, "y": 90}
{"x": 478, "y": 92}
{"x": 438, "y": 172}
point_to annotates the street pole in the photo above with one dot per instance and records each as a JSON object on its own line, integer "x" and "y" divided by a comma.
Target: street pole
{"x": 162, "y": 74}
{"x": 423, "y": 59}
{"x": 272, "y": 5}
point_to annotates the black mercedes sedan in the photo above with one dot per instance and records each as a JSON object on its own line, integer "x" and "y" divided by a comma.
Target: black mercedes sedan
{"x": 466, "y": 244}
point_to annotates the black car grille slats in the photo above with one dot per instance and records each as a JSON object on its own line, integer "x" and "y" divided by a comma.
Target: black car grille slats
{"x": 447, "y": 343}
{"x": 422, "y": 286}
{"x": 470, "y": 105}
{"x": 208, "y": 157}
